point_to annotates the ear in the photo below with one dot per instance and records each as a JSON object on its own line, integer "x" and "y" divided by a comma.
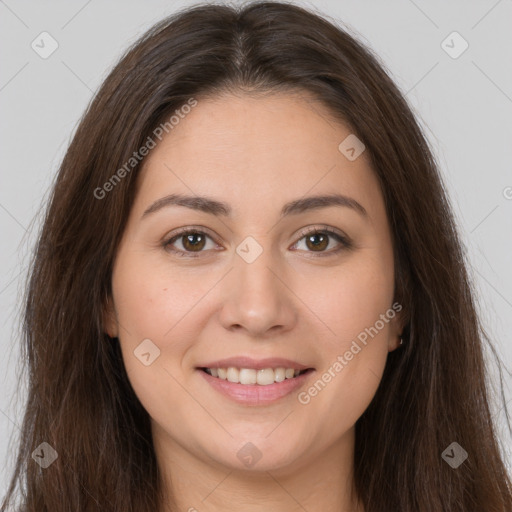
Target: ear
{"x": 397, "y": 326}
{"x": 109, "y": 319}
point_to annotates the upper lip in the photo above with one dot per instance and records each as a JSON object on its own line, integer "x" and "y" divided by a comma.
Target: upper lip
{"x": 257, "y": 364}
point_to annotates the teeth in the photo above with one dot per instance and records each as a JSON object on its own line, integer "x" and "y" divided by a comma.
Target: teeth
{"x": 279, "y": 374}
{"x": 233, "y": 374}
{"x": 263, "y": 377}
{"x": 247, "y": 376}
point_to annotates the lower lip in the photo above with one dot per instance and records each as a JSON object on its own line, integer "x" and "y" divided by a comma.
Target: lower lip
{"x": 255, "y": 394}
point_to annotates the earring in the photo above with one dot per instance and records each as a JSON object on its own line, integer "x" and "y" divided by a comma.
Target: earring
{"x": 401, "y": 340}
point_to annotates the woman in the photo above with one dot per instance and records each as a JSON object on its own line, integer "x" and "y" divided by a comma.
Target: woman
{"x": 249, "y": 291}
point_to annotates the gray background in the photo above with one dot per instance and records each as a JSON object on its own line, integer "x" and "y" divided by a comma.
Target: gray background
{"x": 464, "y": 105}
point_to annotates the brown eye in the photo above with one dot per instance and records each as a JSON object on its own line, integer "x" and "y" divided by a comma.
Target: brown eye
{"x": 192, "y": 243}
{"x": 318, "y": 240}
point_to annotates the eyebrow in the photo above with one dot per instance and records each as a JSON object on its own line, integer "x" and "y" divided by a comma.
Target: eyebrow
{"x": 219, "y": 208}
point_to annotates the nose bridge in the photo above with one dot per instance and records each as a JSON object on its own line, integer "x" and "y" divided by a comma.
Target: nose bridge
{"x": 257, "y": 299}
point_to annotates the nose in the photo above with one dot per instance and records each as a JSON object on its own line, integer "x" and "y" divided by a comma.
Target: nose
{"x": 257, "y": 298}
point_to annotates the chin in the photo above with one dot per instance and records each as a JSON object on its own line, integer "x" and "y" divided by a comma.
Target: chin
{"x": 258, "y": 455}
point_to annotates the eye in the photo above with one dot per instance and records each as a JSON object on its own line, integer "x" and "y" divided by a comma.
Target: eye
{"x": 191, "y": 240}
{"x": 318, "y": 239}
{"x": 194, "y": 240}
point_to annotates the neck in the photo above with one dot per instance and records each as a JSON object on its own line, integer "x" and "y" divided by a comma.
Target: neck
{"x": 319, "y": 483}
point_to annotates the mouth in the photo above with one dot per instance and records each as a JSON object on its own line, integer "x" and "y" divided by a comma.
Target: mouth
{"x": 253, "y": 376}
{"x": 255, "y": 386}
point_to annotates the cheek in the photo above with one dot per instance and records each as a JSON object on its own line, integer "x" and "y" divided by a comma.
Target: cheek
{"x": 150, "y": 299}
{"x": 149, "y": 305}
{"x": 154, "y": 304}
{"x": 356, "y": 308}
{"x": 349, "y": 298}
{"x": 350, "y": 374}
{"x": 364, "y": 322}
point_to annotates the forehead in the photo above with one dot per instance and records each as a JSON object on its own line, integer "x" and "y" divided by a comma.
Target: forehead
{"x": 248, "y": 150}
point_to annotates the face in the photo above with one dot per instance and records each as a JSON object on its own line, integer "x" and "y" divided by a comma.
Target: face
{"x": 310, "y": 287}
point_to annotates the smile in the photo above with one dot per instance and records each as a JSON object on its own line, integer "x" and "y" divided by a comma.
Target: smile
{"x": 251, "y": 376}
{"x": 252, "y": 387}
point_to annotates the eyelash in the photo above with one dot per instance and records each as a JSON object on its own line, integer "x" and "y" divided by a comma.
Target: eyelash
{"x": 345, "y": 242}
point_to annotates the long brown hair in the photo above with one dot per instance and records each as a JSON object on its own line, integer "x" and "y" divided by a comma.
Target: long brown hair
{"x": 434, "y": 390}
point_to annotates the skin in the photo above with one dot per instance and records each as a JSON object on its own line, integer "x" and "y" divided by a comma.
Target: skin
{"x": 255, "y": 153}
